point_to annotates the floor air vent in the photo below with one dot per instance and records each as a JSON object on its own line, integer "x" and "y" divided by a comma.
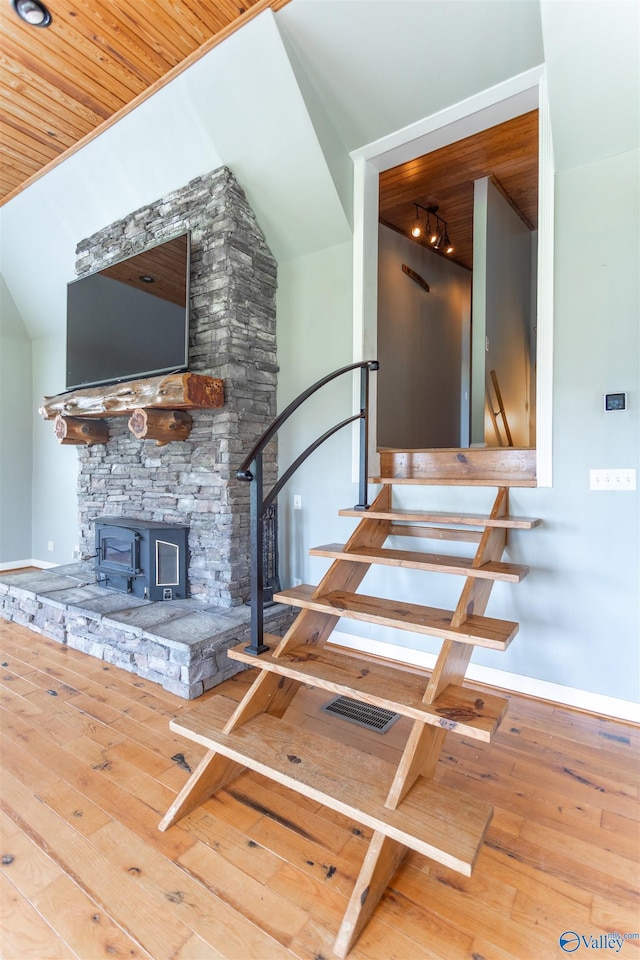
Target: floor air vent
{"x": 365, "y": 715}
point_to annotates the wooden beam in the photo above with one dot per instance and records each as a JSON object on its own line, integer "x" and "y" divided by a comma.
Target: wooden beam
{"x": 176, "y": 391}
{"x": 75, "y": 430}
{"x": 160, "y": 425}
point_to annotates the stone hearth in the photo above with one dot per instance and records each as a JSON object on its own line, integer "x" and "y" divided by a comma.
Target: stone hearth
{"x": 181, "y": 644}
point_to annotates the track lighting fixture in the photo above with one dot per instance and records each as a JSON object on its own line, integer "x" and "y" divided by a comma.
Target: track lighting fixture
{"x": 416, "y": 229}
{"x": 32, "y": 12}
{"x": 437, "y": 233}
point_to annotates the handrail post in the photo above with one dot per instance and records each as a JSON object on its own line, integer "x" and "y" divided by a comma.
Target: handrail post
{"x": 363, "y": 491}
{"x": 257, "y": 562}
{"x": 251, "y": 472}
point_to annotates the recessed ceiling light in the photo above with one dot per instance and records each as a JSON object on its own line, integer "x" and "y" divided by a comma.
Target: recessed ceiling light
{"x": 32, "y": 12}
{"x": 146, "y": 278}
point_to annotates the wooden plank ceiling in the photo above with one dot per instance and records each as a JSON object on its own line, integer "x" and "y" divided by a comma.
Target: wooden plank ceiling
{"x": 61, "y": 85}
{"x": 508, "y": 153}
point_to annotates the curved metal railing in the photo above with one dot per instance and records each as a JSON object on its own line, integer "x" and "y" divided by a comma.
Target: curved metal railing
{"x": 251, "y": 471}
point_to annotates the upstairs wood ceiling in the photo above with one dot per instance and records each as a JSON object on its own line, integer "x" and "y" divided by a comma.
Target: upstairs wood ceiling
{"x": 508, "y": 153}
{"x": 62, "y": 84}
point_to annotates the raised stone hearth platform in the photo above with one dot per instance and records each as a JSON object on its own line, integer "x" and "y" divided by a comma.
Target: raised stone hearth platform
{"x": 180, "y": 644}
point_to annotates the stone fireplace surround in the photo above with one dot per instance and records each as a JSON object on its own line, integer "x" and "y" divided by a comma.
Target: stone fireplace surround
{"x": 181, "y": 644}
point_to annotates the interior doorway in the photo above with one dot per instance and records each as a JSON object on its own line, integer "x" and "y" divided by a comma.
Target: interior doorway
{"x": 456, "y": 312}
{"x": 504, "y": 101}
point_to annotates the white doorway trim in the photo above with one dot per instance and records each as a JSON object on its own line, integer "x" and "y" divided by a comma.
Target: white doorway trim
{"x": 506, "y": 100}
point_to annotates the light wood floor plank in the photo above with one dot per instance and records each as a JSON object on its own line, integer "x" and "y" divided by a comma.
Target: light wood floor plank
{"x": 87, "y": 929}
{"x": 259, "y": 871}
{"x": 101, "y": 879}
{"x": 24, "y": 934}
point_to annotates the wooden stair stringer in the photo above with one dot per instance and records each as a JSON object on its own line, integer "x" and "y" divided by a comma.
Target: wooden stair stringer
{"x": 382, "y": 859}
{"x": 424, "y": 744}
{"x": 273, "y": 694}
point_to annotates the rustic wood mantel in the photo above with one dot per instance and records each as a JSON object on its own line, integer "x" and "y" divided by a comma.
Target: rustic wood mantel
{"x": 174, "y": 392}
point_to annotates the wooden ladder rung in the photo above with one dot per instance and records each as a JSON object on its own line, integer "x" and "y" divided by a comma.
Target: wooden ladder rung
{"x": 482, "y": 631}
{"x": 492, "y": 570}
{"x": 459, "y": 709}
{"x": 437, "y": 821}
{"x": 439, "y": 516}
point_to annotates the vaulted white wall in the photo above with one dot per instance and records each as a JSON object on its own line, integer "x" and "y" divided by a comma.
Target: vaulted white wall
{"x": 15, "y": 432}
{"x": 282, "y": 103}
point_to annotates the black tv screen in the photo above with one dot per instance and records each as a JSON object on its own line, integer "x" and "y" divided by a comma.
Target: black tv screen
{"x": 130, "y": 319}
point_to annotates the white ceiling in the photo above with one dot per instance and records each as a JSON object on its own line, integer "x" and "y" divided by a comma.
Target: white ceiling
{"x": 284, "y": 100}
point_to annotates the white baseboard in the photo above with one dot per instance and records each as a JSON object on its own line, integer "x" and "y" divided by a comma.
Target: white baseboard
{"x": 542, "y": 689}
{"x": 19, "y": 564}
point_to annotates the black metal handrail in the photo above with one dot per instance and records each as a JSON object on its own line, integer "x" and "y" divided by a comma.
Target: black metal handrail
{"x": 252, "y": 471}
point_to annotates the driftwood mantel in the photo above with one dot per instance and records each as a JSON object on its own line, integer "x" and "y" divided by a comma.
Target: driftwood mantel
{"x": 174, "y": 392}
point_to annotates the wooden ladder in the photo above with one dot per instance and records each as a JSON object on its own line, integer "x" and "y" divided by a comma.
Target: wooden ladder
{"x": 404, "y": 806}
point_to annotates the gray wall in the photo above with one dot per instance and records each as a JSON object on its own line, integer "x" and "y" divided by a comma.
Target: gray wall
{"x": 15, "y": 433}
{"x": 502, "y": 251}
{"x": 578, "y": 608}
{"x": 422, "y": 342}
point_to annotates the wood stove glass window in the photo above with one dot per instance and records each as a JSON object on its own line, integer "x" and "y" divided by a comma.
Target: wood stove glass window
{"x": 167, "y": 564}
{"x": 119, "y": 552}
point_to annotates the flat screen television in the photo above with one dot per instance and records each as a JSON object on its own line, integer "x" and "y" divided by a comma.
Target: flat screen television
{"x": 130, "y": 319}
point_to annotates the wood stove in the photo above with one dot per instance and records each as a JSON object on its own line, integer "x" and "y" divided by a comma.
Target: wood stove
{"x": 143, "y": 557}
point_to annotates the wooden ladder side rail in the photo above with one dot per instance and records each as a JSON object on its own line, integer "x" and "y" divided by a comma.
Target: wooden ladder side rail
{"x": 500, "y": 412}
{"x": 269, "y": 692}
{"x": 425, "y": 742}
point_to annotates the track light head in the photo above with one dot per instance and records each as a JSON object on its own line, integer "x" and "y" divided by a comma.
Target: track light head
{"x": 416, "y": 229}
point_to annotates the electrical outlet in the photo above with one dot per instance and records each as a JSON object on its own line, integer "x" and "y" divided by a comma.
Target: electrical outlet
{"x": 297, "y": 501}
{"x": 76, "y": 552}
{"x": 612, "y": 479}
{"x": 50, "y": 546}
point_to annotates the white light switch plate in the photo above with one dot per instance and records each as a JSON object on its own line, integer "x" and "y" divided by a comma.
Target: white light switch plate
{"x": 612, "y": 480}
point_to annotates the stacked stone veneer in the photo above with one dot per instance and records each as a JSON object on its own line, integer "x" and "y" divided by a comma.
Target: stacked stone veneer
{"x": 232, "y": 336}
{"x": 180, "y": 644}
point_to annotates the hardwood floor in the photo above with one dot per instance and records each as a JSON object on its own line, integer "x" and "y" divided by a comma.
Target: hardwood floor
{"x": 89, "y": 766}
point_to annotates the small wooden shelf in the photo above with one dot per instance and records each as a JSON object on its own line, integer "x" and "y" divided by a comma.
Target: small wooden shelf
{"x": 442, "y": 516}
{"x": 458, "y": 709}
{"x": 411, "y": 559}
{"x": 437, "y": 821}
{"x": 481, "y": 631}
